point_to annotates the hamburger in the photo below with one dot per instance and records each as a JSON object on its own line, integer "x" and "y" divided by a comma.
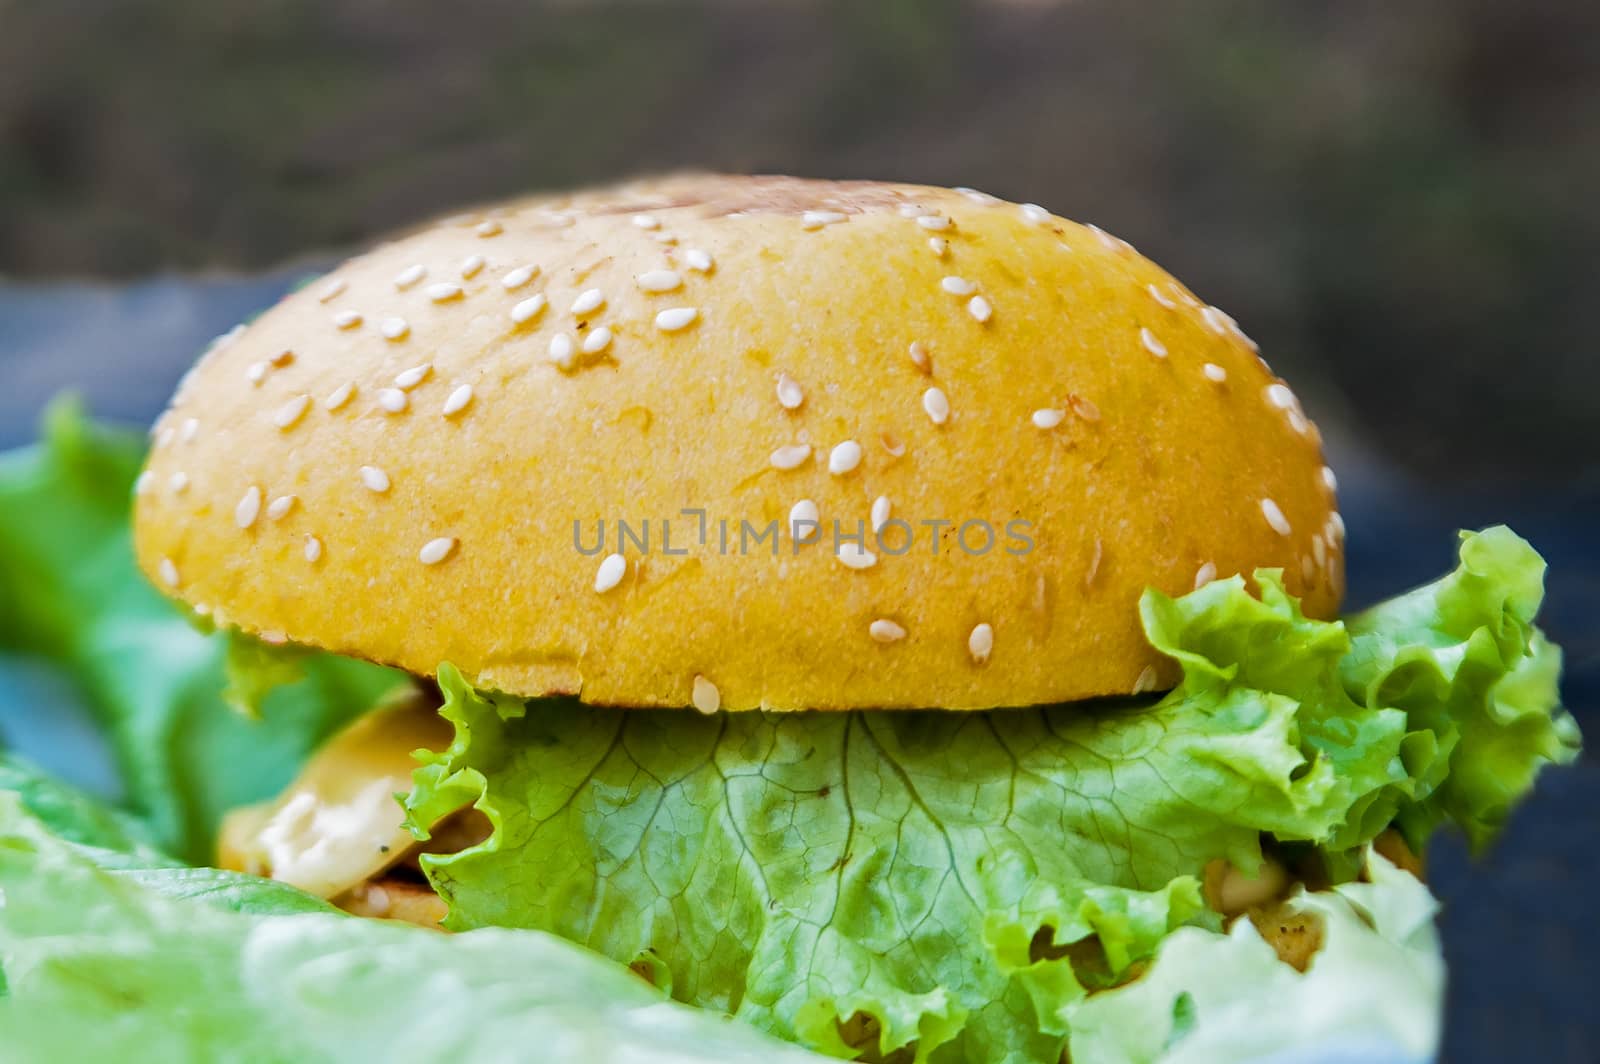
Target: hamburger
{"x": 902, "y": 620}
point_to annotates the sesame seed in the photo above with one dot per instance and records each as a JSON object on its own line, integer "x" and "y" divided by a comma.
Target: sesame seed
{"x": 975, "y": 196}
{"x": 394, "y": 328}
{"x": 413, "y": 376}
{"x": 886, "y": 631}
{"x": 980, "y": 309}
{"x": 1298, "y": 422}
{"x": 458, "y": 400}
{"x": 588, "y": 302}
{"x": 346, "y": 319}
{"x": 393, "y": 400}
{"x": 340, "y": 396}
{"x": 1151, "y": 344}
{"x": 1204, "y": 575}
{"x": 472, "y": 264}
{"x": 178, "y": 483}
{"x": 612, "y": 569}
{"x": 1214, "y": 320}
{"x": 1110, "y": 242}
{"x": 562, "y": 350}
{"x": 647, "y": 221}
{"x": 881, "y": 507}
{"x": 169, "y": 572}
{"x": 1160, "y": 297}
{"x": 290, "y": 413}
{"x": 249, "y": 508}
{"x": 144, "y": 482}
{"x": 1214, "y": 372}
{"x": 518, "y": 277}
{"x": 844, "y": 458}
{"x": 698, "y": 260}
{"x": 1233, "y": 327}
{"x": 273, "y": 637}
{"x": 892, "y": 444}
{"x": 1319, "y": 550}
{"x": 436, "y": 550}
{"x": 676, "y": 318}
{"x": 1308, "y": 567}
{"x": 958, "y": 286}
{"x": 937, "y": 223}
{"x": 1275, "y": 518}
{"x": 939, "y": 246}
{"x": 937, "y": 405}
{"x": 256, "y": 372}
{"x": 790, "y": 395}
{"x": 1330, "y": 481}
{"x": 1336, "y": 527}
{"x": 805, "y": 521}
{"x": 980, "y": 644}
{"x": 818, "y": 219}
{"x": 332, "y": 290}
{"x": 659, "y": 280}
{"x": 1146, "y": 680}
{"x": 1048, "y": 418}
{"x": 489, "y": 228}
{"x": 911, "y": 210}
{"x": 280, "y": 507}
{"x": 920, "y": 357}
{"x": 410, "y": 275}
{"x": 313, "y": 548}
{"x": 853, "y": 555}
{"x": 1280, "y": 396}
{"x": 226, "y": 339}
{"x": 444, "y": 292}
{"x": 597, "y": 341}
{"x": 374, "y": 479}
{"x": 706, "y": 698}
{"x": 791, "y": 456}
{"x": 164, "y": 437}
{"x": 1035, "y": 213}
{"x": 527, "y": 310}
{"x": 190, "y": 429}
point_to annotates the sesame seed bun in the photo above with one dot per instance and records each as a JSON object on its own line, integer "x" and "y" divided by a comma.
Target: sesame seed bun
{"x": 389, "y": 463}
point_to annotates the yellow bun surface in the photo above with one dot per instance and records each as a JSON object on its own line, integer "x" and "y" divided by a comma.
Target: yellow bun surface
{"x": 428, "y": 516}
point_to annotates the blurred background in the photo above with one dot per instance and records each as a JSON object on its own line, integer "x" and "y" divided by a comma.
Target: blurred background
{"x": 1401, "y": 202}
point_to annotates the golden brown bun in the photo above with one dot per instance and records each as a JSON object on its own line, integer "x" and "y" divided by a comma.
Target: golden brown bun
{"x": 1155, "y": 472}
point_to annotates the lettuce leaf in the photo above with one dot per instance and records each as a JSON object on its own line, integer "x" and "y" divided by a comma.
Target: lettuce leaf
{"x": 102, "y": 965}
{"x": 1463, "y": 659}
{"x": 76, "y": 817}
{"x": 71, "y": 596}
{"x": 957, "y": 882}
{"x": 1372, "y": 992}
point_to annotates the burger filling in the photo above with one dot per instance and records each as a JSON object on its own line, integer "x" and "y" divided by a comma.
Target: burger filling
{"x": 1012, "y": 884}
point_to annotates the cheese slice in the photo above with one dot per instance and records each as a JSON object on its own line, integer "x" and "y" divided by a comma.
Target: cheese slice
{"x": 339, "y": 823}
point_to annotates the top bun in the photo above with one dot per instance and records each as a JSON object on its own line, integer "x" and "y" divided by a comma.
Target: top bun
{"x": 389, "y": 463}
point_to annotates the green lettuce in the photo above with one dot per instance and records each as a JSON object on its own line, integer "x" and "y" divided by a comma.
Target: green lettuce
{"x": 1463, "y": 659}
{"x": 1372, "y": 992}
{"x": 71, "y": 596}
{"x": 75, "y": 816}
{"x": 958, "y": 883}
{"x": 102, "y": 964}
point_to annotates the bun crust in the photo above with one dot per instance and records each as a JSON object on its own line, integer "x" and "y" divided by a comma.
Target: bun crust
{"x": 431, "y": 514}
